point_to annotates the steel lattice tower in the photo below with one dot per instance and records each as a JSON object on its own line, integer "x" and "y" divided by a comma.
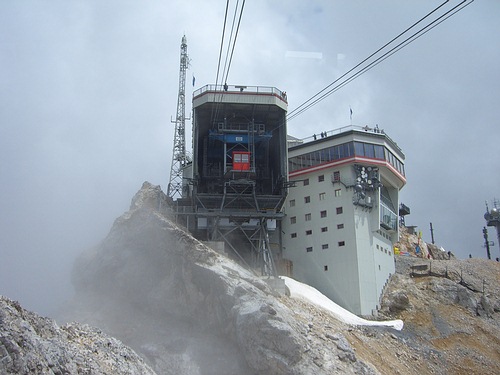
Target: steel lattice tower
{"x": 179, "y": 157}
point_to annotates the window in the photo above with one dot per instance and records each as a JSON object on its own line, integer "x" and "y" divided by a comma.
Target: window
{"x": 308, "y": 217}
{"x": 322, "y": 213}
{"x": 338, "y": 192}
{"x": 322, "y": 196}
{"x": 340, "y": 226}
{"x": 326, "y": 268}
{"x": 293, "y": 220}
{"x": 306, "y": 182}
{"x": 341, "y": 243}
{"x": 324, "y": 246}
{"x": 321, "y": 178}
{"x": 293, "y": 235}
{"x": 336, "y": 176}
{"x": 309, "y": 232}
{"x": 292, "y": 202}
{"x": 339, "y": 210}
{"x": 307, "y": 199}
{"x": 309, "y": 249}
{"x": 324, "y": 229}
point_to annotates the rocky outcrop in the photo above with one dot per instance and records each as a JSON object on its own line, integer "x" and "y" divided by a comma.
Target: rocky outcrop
{"x": 190, "y": 310}
{"x": 31, "y": 344}
{"x": 451, "y": 323}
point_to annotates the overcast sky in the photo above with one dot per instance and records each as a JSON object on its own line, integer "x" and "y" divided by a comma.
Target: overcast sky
{"x": 88, "y": 90}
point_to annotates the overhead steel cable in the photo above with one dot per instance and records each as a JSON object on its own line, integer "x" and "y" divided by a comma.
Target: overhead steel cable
{"x": 366, "y": 59}
{"x": 229, "y": 57}
{"x": 322, "y": 95}
{"x": 234, "y": 42}
{"x": 222, "y": 42}
{"x": 220, "y": 53}
{"x": 224, "y": 79}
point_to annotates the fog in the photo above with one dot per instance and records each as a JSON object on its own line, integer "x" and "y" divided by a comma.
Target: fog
{"x": 88, "y": 90}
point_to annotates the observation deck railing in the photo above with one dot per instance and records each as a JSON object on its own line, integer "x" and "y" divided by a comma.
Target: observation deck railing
{"x": 266, "y": 90}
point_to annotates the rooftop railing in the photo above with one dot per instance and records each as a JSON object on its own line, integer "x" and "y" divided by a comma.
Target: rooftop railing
{"x": 242, "y": 89}
{"x": 365, "y": 129}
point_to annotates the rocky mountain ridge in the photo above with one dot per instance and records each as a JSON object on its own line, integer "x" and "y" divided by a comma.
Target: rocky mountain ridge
{"x": 31, "y": 344}
{"x": 186, "y": 309}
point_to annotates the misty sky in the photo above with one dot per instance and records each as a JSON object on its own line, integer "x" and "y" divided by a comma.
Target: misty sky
{"x": 88, "y": 90}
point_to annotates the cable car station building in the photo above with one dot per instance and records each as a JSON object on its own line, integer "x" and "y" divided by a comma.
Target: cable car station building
{"x": 342, "y": 214}
{"x": 236, "y": 185}
{"x": 326, "y": 208}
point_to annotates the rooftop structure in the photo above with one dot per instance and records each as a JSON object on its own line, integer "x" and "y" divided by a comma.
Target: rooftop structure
{"x": 492, "y": 218}
{"x": 239, "y": 171}
{"x": 342, "y": 214}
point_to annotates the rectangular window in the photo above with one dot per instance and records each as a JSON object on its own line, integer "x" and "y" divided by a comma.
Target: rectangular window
{"x": 322, "y": 196}
{"x": 379, "y": 152}
{"x": 322, "y": 213}
{"x": 338, "y": 192}
{"x": 324, "y": 229}
{"x": 336, "y": 176}
{"x": 341, "y": 243}
{"x": 309, "y": 232}
{"x": 321, "y": 178}
{"x": 293, "y": 235}
{"x": 369, "y": 150}
{"x": 293, "y": 220}
{"x": 326, "y": 268}
{"x": 292, "y": 202}
{"x": 308, "y": 217}
{"x": 324, "y": 246}
{"x": 359, "y": 149}
{"x": 339, "y": 210}
{"x": 306, "y": 182}
{"x": 307, "y": 199}
{"x": 340, "y": 226}
{"x": 309, "y": 249}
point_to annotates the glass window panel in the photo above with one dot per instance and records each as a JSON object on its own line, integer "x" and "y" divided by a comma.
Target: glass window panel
{"x": 359, "y": 149}
{"x": 379, "y": 152}
{"x": 369, "y": 150}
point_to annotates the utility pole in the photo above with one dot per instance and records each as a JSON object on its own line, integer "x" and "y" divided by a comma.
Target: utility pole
{"x": 432, "y": 234}
{"x": 179, "y": 157}
{"x": 486, "y": 242}
{"x": 492, "y": 218}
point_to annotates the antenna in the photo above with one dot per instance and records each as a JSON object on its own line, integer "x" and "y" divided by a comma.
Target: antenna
{"x": 179, "y": 157}
{"x": 492, "y": 218}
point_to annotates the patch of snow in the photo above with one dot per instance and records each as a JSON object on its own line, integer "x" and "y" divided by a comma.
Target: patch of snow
{"x": 306, "y": 292}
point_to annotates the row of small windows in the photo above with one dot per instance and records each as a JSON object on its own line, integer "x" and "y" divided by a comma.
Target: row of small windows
{"x": 382, "y": 249}
{"x": 383, "y": 234}
{"x": 325, "y": 246}
{"x": 323, "y": 230}
{"x": 309, "y": 232}
{"x": 322, "y": 214}
{"x": 322, "y": 197}
{"x": 342, "y": 151}
{"x": 321, "y": 178}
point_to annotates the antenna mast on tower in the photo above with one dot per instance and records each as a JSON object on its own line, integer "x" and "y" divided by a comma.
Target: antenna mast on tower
{"x": 179, "y": 157}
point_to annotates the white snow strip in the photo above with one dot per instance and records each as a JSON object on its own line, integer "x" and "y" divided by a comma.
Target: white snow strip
{"x": 303, "y": 291}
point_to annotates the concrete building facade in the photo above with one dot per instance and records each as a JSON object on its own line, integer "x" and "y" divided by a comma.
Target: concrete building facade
{"x": 341, "y": 214}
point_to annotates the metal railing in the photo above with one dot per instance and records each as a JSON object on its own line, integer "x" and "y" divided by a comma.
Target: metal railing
{"x": 240, "y": 88}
